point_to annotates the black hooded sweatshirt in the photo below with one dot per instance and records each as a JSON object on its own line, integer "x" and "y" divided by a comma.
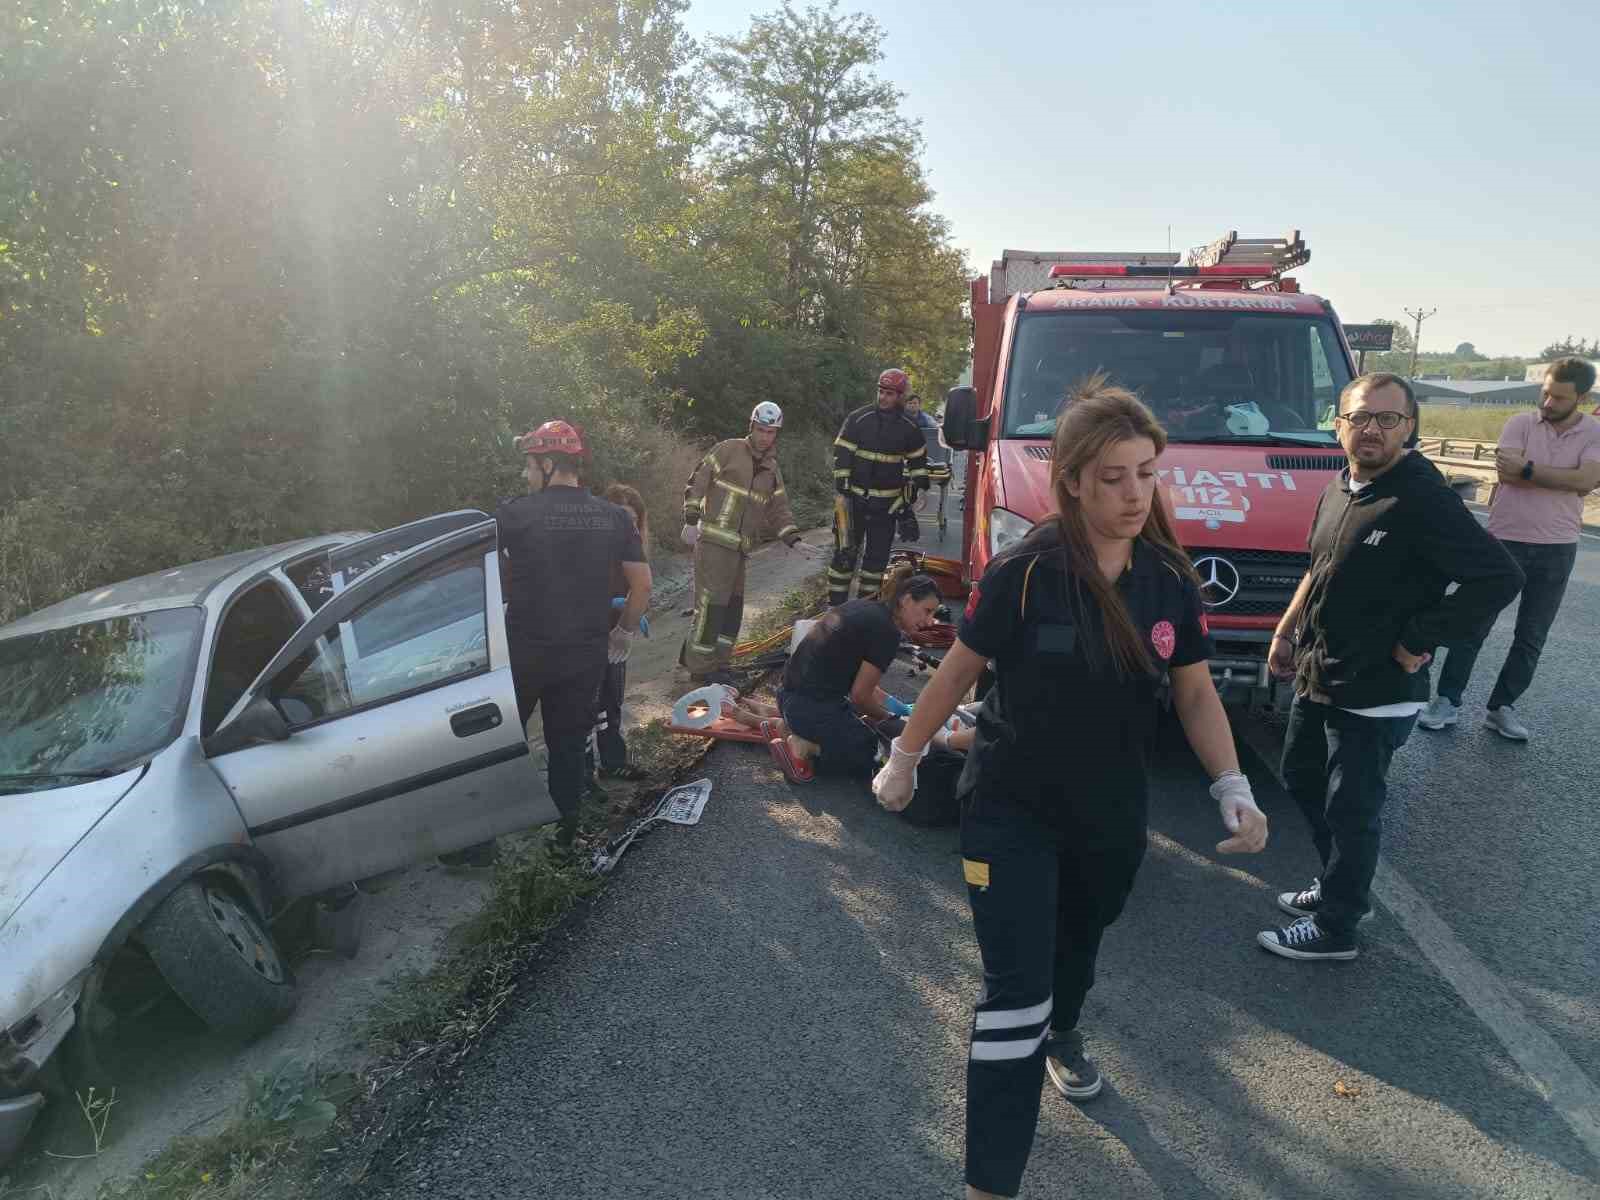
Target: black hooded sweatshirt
{"x": 1381, "y": 559}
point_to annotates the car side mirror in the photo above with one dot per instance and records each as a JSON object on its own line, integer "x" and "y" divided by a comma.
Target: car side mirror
{"x": 259, "y": 722}
{"x": 963, "y": 428}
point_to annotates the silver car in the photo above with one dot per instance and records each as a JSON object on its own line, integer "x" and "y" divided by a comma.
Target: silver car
{"x": 183, "y": 754}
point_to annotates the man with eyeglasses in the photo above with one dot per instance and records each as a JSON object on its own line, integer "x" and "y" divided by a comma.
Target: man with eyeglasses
{"x": 1548, "y": 461}
{"x": 1388, "y": 537}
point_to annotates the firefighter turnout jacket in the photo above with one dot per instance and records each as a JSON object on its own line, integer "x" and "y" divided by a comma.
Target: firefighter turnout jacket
{"x": 738, "y": 499}
{"x": 880, "y": 457}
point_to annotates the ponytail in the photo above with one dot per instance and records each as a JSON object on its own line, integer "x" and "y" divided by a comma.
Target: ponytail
{"x": 904, "y": 580}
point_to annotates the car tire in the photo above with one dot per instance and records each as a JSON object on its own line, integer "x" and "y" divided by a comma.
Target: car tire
{"x": 215, "y": 952}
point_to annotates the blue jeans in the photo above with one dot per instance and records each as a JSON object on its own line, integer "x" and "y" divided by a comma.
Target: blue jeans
{"x": 1336, "y": 766}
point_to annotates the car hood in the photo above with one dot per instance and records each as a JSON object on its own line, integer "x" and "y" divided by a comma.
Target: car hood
{"x": 39, "y": 829}
{"x": 1240, "y": 497}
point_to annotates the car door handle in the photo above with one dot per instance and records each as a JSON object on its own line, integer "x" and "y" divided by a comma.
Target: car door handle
{"x": 479, "y": 719}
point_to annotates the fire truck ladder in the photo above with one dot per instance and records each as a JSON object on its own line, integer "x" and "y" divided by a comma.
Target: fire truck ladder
{"x": 1230, "y": 250}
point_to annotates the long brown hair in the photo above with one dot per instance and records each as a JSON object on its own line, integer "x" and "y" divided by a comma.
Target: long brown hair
{"x": 629, "y": 498}
{"x": 1097, "y": 416}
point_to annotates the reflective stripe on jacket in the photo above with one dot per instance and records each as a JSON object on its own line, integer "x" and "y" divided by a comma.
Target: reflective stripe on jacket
{"x": 880, "y": 455}
{"x": 738, "y": 500}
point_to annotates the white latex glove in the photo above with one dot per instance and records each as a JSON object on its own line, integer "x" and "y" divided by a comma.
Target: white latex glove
{"x": 690, "y": 534}
{"x": 620, "y": 642}
{"x": 1240, "y": 816}
{"x": 897, "y": 781}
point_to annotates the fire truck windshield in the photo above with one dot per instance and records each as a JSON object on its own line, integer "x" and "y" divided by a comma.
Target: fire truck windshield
{"x": 1207, "y": 376}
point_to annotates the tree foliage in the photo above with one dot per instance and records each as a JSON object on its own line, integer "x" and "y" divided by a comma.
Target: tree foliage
{"x": 270, "y": 267}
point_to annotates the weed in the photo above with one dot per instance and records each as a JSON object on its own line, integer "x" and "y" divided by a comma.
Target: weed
{"x": 1481, "y": 424}
{"x": 803, "y": 600}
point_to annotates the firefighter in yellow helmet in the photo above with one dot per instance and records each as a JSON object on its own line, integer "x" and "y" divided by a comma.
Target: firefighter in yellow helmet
{"x": 734, "y": 502}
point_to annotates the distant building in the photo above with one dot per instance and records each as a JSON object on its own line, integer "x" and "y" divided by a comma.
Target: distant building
{"x": 1512, "y": 392}
{"x": 1535, "y": 373}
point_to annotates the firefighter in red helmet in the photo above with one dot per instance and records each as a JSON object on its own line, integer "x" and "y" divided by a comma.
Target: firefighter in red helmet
{"x": 880, "y": 464}
{"x": 560, "y": 545}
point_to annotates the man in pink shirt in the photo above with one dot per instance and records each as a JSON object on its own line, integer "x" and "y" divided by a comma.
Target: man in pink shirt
{"x": 1548, "y": 461}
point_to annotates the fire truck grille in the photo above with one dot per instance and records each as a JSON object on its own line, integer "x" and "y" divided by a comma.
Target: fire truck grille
{"x": 1305, "y": 462}
{"x": 1042, "y": 453}
{"x": 1248, "y": 583}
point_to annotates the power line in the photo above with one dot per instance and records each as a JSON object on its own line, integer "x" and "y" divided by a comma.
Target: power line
{"x": 1416, "y": 338}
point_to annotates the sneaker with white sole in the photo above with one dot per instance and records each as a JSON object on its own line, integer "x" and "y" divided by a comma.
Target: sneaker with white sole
{"x": 1307, "y": 941}
{"x": 1070, "y": 1069}
{"x": 1504, "y": 722}
{"x": 1307, "y": 902}
{"x": 1439, "y": 713}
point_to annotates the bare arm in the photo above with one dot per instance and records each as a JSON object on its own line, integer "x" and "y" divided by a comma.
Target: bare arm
{"x": 954, "y": 678}
{"x": 864, "y": 693}
{"x": 1280, "y": 655}
{"x": 1205, "y": 723}
{"x": 637, "y": 575}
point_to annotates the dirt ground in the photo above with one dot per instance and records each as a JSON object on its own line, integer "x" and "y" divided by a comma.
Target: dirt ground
{"x": 177, "y": 1080}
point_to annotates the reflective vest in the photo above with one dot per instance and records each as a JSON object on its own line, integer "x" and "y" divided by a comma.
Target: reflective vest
{"x": 738, "y": 500}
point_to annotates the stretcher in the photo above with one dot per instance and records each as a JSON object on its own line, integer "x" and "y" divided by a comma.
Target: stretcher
{"x": 719, "y": 712}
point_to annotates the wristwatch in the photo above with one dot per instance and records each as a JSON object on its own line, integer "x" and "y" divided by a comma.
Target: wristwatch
{"x": 1527, "y": 470}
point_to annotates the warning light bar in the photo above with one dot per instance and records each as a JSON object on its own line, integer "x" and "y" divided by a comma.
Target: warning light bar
{"x": 1122, "y": 271}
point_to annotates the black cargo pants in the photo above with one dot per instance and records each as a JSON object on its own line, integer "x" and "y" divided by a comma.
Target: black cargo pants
{"x": 562, "y": 685}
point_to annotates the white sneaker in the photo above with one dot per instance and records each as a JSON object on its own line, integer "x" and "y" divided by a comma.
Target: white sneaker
{"x": 1439, "y": 714}
{"x": 1504, "y": 722}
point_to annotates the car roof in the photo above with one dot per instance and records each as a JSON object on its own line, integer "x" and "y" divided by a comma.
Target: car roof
{"x": 177, "y": 587}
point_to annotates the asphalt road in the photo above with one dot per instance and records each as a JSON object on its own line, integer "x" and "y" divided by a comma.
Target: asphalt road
{"x": 775, "y": 1003}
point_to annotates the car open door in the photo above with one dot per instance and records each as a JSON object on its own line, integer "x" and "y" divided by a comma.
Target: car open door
{"x": 385, "y": 731}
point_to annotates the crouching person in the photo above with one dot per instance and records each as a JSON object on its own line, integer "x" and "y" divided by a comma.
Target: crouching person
{"x": 831, "y": 681}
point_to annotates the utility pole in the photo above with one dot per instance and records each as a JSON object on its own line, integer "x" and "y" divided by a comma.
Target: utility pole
{"x": 1416, "y": 338}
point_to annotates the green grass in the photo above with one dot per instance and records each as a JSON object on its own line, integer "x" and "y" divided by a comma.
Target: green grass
{"x": 804, "y": 599}
{"x": 1477, "y": 424}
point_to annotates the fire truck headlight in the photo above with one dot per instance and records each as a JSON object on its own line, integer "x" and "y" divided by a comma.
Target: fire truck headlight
{"x": 1006, "y": 528}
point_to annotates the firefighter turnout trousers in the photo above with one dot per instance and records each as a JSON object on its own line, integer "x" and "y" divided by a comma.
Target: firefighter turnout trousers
{"x": 1041, "y": 899}
{"x": 862, "y": 532}
{"x": 718, "y": 608}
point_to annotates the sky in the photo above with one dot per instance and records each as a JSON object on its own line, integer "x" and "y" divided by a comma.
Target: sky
{"x": 1434, "y": 156}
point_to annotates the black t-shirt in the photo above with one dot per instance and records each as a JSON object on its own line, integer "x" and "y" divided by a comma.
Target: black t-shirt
{"x": 825, "y": 664}
{"x": 559, "y": 549}
{"x": 1062, "y": 733}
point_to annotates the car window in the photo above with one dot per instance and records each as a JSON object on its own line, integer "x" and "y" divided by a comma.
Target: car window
{"x": 94, "y": 697}
{"x": 313, "y": 580}
{"x": 430, "y": 629}
{"x": 254, "y": 629}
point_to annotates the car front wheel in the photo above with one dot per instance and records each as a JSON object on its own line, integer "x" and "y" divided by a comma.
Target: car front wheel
{"x": 214, "y": 950}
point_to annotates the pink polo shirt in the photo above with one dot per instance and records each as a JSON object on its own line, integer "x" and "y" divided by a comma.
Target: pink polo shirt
{"x": 1536, "y": 514}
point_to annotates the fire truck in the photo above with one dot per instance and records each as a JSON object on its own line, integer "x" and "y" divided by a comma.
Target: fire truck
{"x": 1241, "y": 367}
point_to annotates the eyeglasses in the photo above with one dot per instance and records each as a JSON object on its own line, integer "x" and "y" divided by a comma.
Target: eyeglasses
{"x": 1361, "y": 418}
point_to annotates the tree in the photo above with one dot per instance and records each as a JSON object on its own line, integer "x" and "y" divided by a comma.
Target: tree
{"x": 1570, "y": 346}
{"x": 1467, "y": 350}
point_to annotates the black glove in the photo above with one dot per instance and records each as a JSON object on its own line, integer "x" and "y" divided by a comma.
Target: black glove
{"x": 910, "y": 527}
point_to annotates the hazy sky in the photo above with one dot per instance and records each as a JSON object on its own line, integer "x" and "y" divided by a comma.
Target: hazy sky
{"x": 1433, "y": 155}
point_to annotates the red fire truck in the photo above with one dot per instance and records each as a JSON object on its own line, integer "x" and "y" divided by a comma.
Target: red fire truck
{"x": 1243, "y": 370}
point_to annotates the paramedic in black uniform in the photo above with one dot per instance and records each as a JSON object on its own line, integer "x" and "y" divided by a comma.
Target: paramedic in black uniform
{"x": 1080, "y": 619}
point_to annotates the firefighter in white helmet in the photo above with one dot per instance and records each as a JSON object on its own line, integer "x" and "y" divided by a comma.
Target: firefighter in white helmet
{"x": 734, "y": 502}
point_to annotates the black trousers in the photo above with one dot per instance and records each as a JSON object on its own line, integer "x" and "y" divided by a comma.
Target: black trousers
{"x": 848, "y": 746}
{"x": 610, "y": 748}
{"x": 1336, "y": 766}
{"x": 1041, "y": 899}
{"x": 861, "y": 532}
{"x": 562, "y": 686}
{"x": 1545, "y": 571}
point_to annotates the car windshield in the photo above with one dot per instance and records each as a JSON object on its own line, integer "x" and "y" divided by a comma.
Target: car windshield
{"x": 92, "y": 699}
{"x": 1207, "y": 376}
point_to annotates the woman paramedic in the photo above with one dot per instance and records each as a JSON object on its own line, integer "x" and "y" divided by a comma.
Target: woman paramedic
{"x": 1080, "y": 619}
{"x": 831, "y": 681}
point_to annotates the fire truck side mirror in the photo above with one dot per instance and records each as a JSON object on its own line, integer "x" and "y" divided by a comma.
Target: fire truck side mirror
{"x": 963, "y": 428}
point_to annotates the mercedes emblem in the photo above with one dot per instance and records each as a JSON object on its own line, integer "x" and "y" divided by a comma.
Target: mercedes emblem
{"x": 1219, "y": 580}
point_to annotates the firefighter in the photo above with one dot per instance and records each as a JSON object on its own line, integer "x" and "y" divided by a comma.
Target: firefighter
{"x": 734, "y": 502}
{"x": 560, "y": 545}
{"x": 1081, "y": 619}
{"x": 880, "y": 465}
